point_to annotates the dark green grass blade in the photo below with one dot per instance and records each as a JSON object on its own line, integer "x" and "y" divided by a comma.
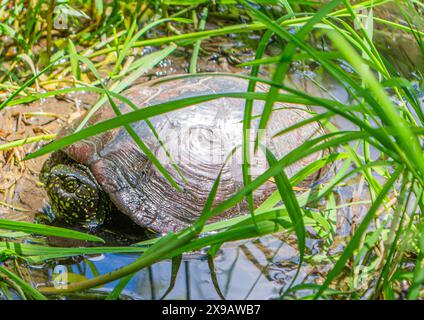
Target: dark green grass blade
{"x": 290, "y": 201}
{"x": 247, "y": 117}
{"x": 36, "y": 254}
{"x": 176, "y": 264}
{"x": 116, "y": 292}
{"x": 47, "y": 230}
{"x": 297, "y": 154}
{"x": 214, "y": 278}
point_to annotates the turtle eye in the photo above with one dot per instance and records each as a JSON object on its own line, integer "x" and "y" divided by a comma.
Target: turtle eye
{"x": 71, "y": 184}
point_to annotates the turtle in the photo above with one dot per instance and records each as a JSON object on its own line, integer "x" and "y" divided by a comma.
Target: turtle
{"x": 92, "y": 179}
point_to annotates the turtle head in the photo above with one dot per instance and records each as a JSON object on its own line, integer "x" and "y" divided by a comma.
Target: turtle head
{"x": 75, "y": 196}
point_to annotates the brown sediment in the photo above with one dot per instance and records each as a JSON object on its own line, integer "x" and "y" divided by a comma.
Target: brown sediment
{"x": 21, "y": 193}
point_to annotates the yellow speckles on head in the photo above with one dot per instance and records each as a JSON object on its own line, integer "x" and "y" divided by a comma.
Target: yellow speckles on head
{"x": 75, "y": 199}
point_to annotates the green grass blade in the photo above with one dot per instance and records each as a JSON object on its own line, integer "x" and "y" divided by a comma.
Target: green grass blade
{"x": 360, "y": 231}
{"x": 22, "y": 284}
{"x": 196, "y": 48}
{"x": 176, "y": 263}
{"x": 47, "y": 230}
{"x": 285, "y": 189}
{"x": 283, "y": 65}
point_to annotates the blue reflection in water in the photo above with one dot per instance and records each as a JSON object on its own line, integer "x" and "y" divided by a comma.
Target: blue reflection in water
{"x": 256, "y": 269}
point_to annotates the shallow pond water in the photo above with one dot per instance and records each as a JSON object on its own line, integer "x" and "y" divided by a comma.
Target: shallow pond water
{"x": 257, "y": 269}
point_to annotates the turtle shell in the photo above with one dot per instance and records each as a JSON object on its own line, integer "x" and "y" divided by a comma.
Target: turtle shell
{"x": 194, "y": 144}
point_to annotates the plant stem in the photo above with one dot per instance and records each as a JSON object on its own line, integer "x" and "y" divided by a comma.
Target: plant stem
{"x": 196, "y": 48}
{"x": 49, "y": 27}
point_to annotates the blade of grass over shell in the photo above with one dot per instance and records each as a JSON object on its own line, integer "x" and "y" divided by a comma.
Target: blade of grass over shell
{"x": 264, "y": 213}
{"x": 306, "y": 149}
{"x": 298, "y": 177}
{"x": 151, "y": 111}
{"x": 382, "y": 136}
{"x": 247, "y": 118}
{"x": 304, "y": 98}
{"x": 142, "y": 114}
{"x": 149, "y": 154}
{"x": 47, "y": 230}
{"x": 146, "y": 63}
{"x": 273, "y": 170}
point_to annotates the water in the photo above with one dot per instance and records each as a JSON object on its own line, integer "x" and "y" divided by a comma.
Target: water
{"x": 257, "y": 269}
